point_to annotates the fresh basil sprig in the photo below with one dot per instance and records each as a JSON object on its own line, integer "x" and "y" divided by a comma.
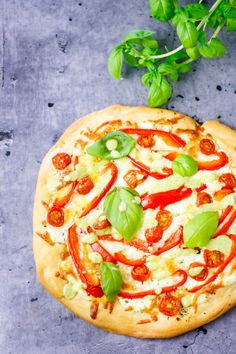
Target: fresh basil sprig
{"x": 193, "y": 23}
{"x": 185, "y": 165}
{"x": 123, "y": 209}
{"x": 111, "y": 280}
{"x": 199, "y": 230}
{"x": 113, "y": 145}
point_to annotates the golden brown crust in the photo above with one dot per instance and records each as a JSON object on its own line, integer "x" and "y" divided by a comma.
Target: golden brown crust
{"x": 47, "y": 258}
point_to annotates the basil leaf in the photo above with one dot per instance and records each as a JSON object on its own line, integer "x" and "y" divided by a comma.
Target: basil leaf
{"x": 187, "y": 33}
{"x": 196, "y": 11}
{"x": 160, "y": 91}
{"x": 122, "y": 146}
{"x": 185, "y": 165}
{"x": 115, "y": 61}
{"x": 193, "y": 53}
{"x": 138, "y": 34}
{"x": 123, "y": 210}
{"x": 198, "y": 231}
{"x": 218, "y": 47}
{"x": 231, "y": 24}
{"x": 111, "y": 280}
{"x": 162, "y": 10}
{"x": 170, "y": 70}
{"x": 181, "y": 15}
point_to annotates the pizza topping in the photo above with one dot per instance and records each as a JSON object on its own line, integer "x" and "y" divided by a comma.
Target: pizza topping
{"x": 127, "y": 221}
{"x": 219, "y": 195}
{"x": 185, "y": 165}
{"x": 111, "y": 280}
{"x": 140, "y": 273}
{"x": 225, "y": 213}
{"x": 133, "y": 178}
{"x": 146, "y": 170}
{"x": 130, "y": 262}
{"x": 203, "y": 198}
{"x": 175, "y": 239}
{"x": 213, "y": 258}
{"x": 198, "y": 271}
{"x": 94, "y": 310}
{"x": 137, "y": 295}
{"x": 56, "y": 217}
{"x": 207, "y": 146}
{"x": 61, "y": 161}
{"x": 146, "y": 141}
{"x": 198, "y": 231}
{"x": 64, "y": 196}
{"x": 102, "y": 223}
{"x": 153, "y": 234}
{"x": 106, "y": 256}
{"x": 224, "y": 229}
{"x": 104, "y": 147}
{"x": 85, "y": 185}
{"x": 169, "y": 305}
{"x": 164, "y": 219}
{"x": 228, "y": 180}
{"x": 221, "y": 243}
{"x": 69, "y": 292}
{"x": 221, "y": 161}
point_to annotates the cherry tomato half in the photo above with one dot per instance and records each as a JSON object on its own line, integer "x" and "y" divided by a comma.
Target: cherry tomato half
{"x": 164, "y": 219}
{"x": 85, "y": 184}
{"x": 140, "y": 273}
{"x": 146, "y": 141}
{"x": 207, "y": 147}
{"x": 213, "y": 258}
{"x": 101, "y": 224}
{"x": 133, "y": 178}
{"x": 202, "y": 273}
{"x": 219, "y": 195}
{"x": 61, "y": 160}
{"x": 169, "y": 305}
{"x": 203, "y": 198}
{"x": 228, "y": 179}
{"x": 56, "y": 217}
{"x": 153, "y": 234}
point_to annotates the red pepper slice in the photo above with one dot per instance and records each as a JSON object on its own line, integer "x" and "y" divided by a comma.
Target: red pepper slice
{"x": 169, "y": 138}
{"x": 92, "y": 283}
{"x": 220, "y": 269}
{"x": 146, "y": 169}
{"x": 60, "y": 203}
{"x": 225, "y": 213}
{"x": 201, "y": 188}
{"x": 137, "y": 243}
{"x": 131, "y": 262}
{"x": 180, "y": 272}
{"x": 214, "y": 164}
{"x": 171, "y": 156}
{"x": 107, "y": 257}
{"x": 138, "y": 295}
{"x": 153, "y": 234}
{"x": 114, "y": 173}
{"x": 224, "y": 229}
{"x": 162, "y": 199}
{"x": 219, "y": 195}
{"x": 175, "y": 239}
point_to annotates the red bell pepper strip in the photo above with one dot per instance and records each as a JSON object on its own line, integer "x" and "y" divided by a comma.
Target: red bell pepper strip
{"x": 169, "y": 138}
{"x": 138, "y": 295}
{"x": 214, "y": 164}
{"x": 175, "y": 239}
{"x": 131, "y": 262}
{"x": 97, "y": 199}
{"x": 220, "y": 269}
{"x": 183, "y": 274}
{"x": 60, "y": 203}
{"x": 225, "y": 213}
{"x": 201, "y": 188}
{"x": 92, "y": 283}
{"x": 171, "y": 156}
{"x": 162, "y": 199}
{"x": 226, "y": 225}
{"x": 147, "y": 170}
{"x": 107, "y": 257}
{"x": 136, "y": 243}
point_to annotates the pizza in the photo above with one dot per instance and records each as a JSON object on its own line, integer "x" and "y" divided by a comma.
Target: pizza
{"x": 134, "y": 221}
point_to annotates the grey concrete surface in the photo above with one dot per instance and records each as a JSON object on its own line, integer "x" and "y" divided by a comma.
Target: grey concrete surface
{"x": 52, "y": 71}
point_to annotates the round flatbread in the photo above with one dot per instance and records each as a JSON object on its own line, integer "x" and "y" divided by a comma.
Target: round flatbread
{"x": 134, "y": 221}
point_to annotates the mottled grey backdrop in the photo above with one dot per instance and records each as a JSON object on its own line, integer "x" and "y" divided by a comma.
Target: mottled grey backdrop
{"x": 52, "y": 71}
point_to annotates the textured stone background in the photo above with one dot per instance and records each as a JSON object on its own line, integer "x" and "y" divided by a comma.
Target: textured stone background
{"x": 52, "y": 71}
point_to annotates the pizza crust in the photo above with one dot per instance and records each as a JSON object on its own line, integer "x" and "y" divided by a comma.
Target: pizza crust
{"x": 47, "y": 258}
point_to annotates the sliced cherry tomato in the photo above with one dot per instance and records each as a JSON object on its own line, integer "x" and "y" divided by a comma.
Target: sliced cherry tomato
{"x": 146, "y": 141}
{"x": 219, "y": 195}
{"x": 61, "y": 160}
{"x": 202, "y": 275}
{"x": 145, "y": 169}
{"x": 211, "y": 165}
{"x": 56, "y": 217}
{"x": 133, "y": 178}
{"x": 207, "y": 147}
{"x": 164, "y": 219}
{"x": 228, "y": 179}
{"x": 131, "y": 262}
{"x": 107, "y": 257}
{"x": 169, "y": 305}
{"x": 203, "y": 198}
{"x": 153, "y": 234}
{"x": 101, "y": 224}
{"x": 213, "y": 258}
{"x": 63, "y": 200}
{"x": 175, "y": 239}
{"x": 140, "y": 273}
{"x": 85, "y": 185}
